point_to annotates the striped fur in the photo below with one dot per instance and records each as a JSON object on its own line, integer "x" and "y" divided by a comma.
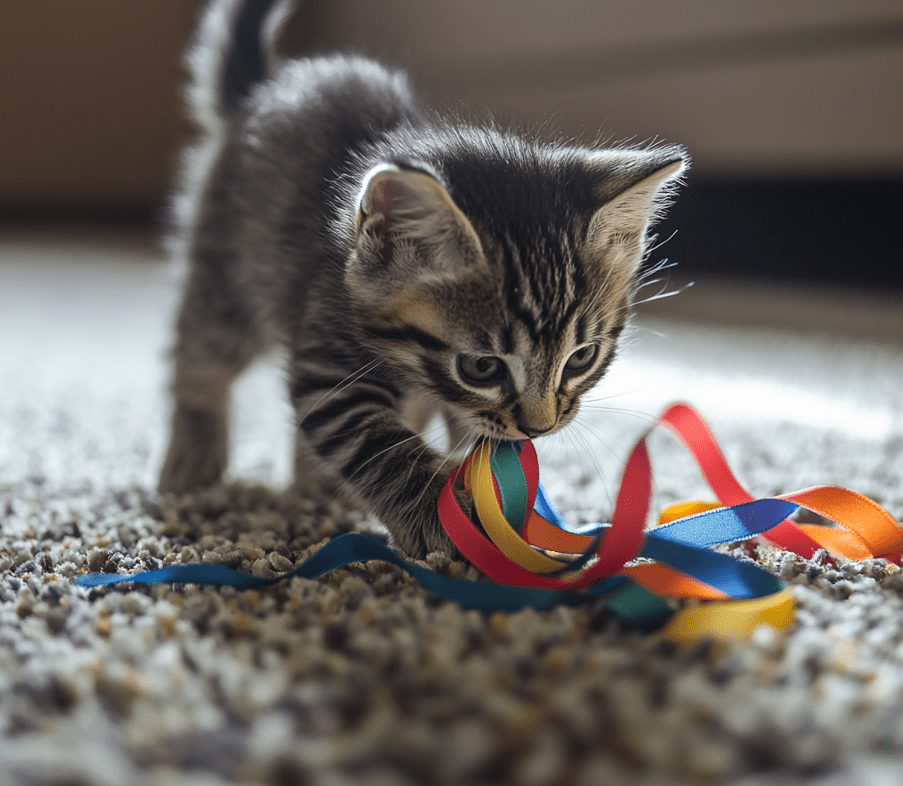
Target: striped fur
{"x": 408, "y": 264}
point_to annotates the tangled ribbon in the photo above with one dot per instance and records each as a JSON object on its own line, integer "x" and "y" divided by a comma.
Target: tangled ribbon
{"x": 533, "y": 558}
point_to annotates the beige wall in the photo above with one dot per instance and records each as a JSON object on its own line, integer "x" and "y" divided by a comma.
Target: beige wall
{"x": 91, "y": 111}
{"x": 769, "y": 88}
{"x": 753, "y": 88}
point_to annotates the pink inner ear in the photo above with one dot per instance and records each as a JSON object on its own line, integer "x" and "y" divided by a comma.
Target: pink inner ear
{"x": 385, "y": 195}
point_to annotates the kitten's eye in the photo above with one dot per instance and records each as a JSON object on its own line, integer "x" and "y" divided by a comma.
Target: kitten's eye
{"x": 481, "y": 370}
{"x": 582, "y": 358}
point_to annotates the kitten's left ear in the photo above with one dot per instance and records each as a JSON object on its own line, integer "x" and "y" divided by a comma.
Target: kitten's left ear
{"x": 642, "y": 190}
{"x": 408, "y": 208}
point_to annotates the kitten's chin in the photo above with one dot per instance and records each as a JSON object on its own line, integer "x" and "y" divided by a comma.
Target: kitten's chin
{"x": 509, "y": 435}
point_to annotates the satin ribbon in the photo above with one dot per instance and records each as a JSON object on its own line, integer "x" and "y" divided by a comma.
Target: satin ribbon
{"x": 533, "y": 558}
{"x": 536, "y": 549}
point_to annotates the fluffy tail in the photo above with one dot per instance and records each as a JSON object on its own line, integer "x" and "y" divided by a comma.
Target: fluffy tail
{"x": 232, "y": 51}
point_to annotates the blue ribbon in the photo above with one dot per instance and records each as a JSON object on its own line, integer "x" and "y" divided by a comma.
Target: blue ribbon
{"x": 356, "y": 547}
{"x": 682, "y": 544}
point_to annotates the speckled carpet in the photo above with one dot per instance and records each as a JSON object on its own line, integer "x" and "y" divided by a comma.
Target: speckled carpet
{"x": 362, "y": 677}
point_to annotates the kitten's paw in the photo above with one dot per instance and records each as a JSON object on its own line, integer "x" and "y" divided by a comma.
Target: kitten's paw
{"x": 181, "y": 477}
{"x": 373, "y": 527}
{"x": 425, "y": 536}
{"x": 185, "y": 471}
{"x": 197, "y": 454}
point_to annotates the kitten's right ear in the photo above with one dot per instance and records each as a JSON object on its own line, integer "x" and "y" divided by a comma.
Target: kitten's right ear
{"x": 408, "y": 210}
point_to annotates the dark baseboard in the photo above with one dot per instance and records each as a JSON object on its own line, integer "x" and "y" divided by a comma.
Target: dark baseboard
{"x": 833, "y": 232}
{"x": 126, "y": 210}
{"x": 839, "y": 232}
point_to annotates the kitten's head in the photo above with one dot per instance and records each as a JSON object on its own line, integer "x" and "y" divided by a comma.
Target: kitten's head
{"x": 497, "y": 275}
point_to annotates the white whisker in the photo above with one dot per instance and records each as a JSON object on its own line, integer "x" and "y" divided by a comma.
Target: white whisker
{"x": 657, "y": 246}
{"x": 383, "y": 452}
{"x": 664, "y": 294}
{"x": 610, "y": 396}
{"x": 353, "y": 377}
{"x": 439, "y": 469}
{"x": 653, "y": 332}
{"x": 597, "y": 466}
{"x": 634, "y": 413}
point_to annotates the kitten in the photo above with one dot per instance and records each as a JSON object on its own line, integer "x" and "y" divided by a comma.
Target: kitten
{"x": 408, "y": 264}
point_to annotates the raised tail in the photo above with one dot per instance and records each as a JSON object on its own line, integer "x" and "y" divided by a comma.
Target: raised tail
{"x": 231, "y": 52}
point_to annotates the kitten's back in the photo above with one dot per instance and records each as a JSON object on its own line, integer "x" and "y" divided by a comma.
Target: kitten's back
{"x": 277, "y": 133}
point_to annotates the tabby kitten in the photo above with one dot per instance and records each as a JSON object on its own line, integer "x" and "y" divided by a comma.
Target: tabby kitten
{"x": 409, "y": 265}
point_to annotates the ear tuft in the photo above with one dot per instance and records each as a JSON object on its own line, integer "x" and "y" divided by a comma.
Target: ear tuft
{"x": 645, "y": 185}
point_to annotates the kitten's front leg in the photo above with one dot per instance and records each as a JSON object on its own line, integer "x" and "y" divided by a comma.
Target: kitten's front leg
{"x": 357, "y": 432}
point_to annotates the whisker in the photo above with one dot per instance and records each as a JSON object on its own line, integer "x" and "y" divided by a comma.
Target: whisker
{"x": 597, "y": 466}
{"x": 664, "y": 294}
{"x": 653, "y": 332}
{"x": 657, "y": 246}
{"x": 353, "y": 377}
{"x": 606, "y": 440}
{"x": 634, "y": 413}
{"x": 438, "y": 470}
{"x": 416, "y": 459}
{"x": 583, "y": 452}
{"x": 383, "y": 452}
{"x": 611, "y": 396}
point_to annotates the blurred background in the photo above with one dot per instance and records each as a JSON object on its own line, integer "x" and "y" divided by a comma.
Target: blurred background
{"x": 793, "y": 112}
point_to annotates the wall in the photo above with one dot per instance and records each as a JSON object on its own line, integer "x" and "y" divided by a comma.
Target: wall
{"x": 773, "y": 99}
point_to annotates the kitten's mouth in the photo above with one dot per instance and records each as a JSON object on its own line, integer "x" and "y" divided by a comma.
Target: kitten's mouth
{"x": 511, "y": 435}
{"x": 492, "y": 427}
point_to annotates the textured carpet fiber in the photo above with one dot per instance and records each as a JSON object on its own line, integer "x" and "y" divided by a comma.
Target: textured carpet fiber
{"x": 362, "y": 677}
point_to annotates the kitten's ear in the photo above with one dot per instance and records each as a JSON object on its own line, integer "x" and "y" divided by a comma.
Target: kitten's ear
{"x": 405, "y": 210}
{"x": 642, "y": 191}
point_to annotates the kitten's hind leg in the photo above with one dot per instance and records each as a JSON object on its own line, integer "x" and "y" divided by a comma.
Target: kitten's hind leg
{"x": 217, "y": 337}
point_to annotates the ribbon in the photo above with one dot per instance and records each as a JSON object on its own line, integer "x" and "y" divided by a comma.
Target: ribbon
{"x": 647, "y": 577}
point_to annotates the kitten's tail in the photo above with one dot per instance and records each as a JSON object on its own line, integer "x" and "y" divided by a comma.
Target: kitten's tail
{"x": 231, "y": 52}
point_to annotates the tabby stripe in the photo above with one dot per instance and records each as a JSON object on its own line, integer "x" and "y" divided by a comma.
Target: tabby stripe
{"x": 346, "y": 435}
{"x": 396, "y": 474}
{"x": 604, "y": 364}
{"x": 580, "y": 330}
{"x": 329, "y": 356}
{"x": 565, "y": 317}
{"x": 372, "y": 445}
{"x": 451, "y": 390}
{"x": 579, "y": 274}
{"x": 538, "y": 292}
{"x": 510, "y": 397}
{"x": 315, "y": 379}
{"x": 339, "y": 405}
{"x": 380, "y": 384}
{"x": 408, "y": 334}
{"x": 516, "y": 308}
{"x": 506, "y": 335}
{"x": 306, "y": 386}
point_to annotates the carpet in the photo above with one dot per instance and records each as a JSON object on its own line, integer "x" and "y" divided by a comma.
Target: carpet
{"x": 362, "y": 677}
